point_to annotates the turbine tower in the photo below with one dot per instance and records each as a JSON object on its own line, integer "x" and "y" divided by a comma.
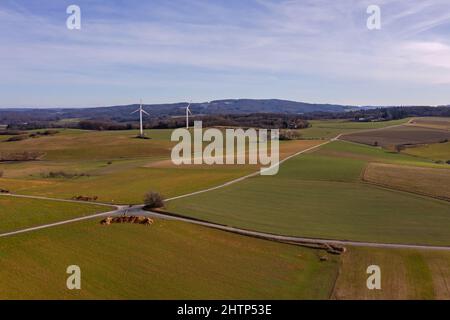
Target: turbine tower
{"x": 141, "y": 111}
{"x": 188, "y": 111}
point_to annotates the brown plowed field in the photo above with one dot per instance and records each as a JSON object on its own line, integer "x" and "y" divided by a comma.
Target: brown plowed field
{"x": 401, "y": 135}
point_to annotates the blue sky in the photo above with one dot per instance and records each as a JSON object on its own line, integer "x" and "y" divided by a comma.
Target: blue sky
{"x": 179, "y": 50}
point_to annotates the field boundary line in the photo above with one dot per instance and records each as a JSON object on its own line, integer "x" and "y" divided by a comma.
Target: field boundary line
{"x": 54, "y": 224}
{"x": 57, "y": 199}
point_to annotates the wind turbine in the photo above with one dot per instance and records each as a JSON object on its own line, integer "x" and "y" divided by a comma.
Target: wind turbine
{"x": 188, "y": 111}
{"x": 141, "y": 111}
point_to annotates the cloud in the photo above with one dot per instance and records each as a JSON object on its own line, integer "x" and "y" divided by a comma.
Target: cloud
{"x": 321, "y": 38}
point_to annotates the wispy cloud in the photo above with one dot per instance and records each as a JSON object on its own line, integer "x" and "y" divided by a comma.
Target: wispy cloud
{"x": 184, "y": 44}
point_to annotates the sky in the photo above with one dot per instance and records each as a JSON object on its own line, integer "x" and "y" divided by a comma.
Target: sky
{"x": 318, "y": 51}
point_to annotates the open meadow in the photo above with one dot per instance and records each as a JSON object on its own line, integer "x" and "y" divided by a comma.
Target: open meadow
{"x": 168, "y": 260}
{"x": 22, "y": 213}
{"x": 439, "y": 152}
{"x": 321, "y": 195}
{"x": 114, "y": 166}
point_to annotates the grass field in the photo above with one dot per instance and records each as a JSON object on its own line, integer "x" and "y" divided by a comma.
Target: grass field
{"x": 428, "y": 181}
{"x": 405, "y": 274}
{"x": 343, "y": 149}
{"x": 319, "y": 196}
{"x": 435, "y": 151}
{"x": 21, "y": 213}
{"x": 121, "y": 170}
{"x": 167, "y": 260}
{"x": 129, "y": 186}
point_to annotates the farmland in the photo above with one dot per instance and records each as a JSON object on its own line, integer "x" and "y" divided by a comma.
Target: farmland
{"x": 427, "y": 181}
{"x": 323, "y": 199}
{"x": 406, "y": 274}
{"x": 16, "y": 214}
{"x": 435, "y": 151}
{"x": 319, "y": 194}
{"x": 327, "y": 129}
{"x": 109, "y": 169}
{"x": 402, "y": 135}
{"x": 431, "y": 122}
{"x": 168, "y": 260}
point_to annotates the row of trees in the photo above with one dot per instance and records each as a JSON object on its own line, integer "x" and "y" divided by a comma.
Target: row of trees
{"x": 382, "y": 114}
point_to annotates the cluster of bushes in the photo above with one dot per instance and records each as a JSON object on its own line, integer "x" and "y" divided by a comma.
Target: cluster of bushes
{"x": 256, "y": 120}
{"x": 62, "y": 175}
{"x": 382, "y": 114}
{"x": 23, "y": 136}
{"x": 11, "y": 132}
{"x": 17, "y": 138}
{"x": 103, "y": 125}
{"x": 21, "y": 156}
{"x": 49, "y": 132}
{"x": 289, "y": 135}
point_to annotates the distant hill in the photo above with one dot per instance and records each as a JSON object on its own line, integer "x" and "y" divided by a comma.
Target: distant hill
{"x": 123, "y": 113}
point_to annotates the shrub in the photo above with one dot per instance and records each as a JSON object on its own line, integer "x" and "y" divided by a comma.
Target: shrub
{"x": 21, "y": 156}
{"x": 11, "y": 132}
{"x": 290, "y": 135}
{"x": 153, "y": 200}
{"x": 63, "y": 175}
{"x": 17, "y": 138}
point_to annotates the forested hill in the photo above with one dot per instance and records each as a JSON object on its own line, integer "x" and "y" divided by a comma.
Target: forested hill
{"x": 123, "y": 113}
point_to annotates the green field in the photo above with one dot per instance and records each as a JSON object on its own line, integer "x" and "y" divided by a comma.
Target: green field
{"x": 21, "y": 213}
{"x": 115, "y": 166}
{"x": 436, "y": 151}
{"x": 349, "y": 150}
{"x": 168, "y": 260}
{"x": 128, "y": 186}
{"x": 321, "y": 197}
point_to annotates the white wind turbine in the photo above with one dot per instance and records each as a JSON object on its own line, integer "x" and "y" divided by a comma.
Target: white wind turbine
{"x": 141, "y": 111}
{"x": 188, "y": 112}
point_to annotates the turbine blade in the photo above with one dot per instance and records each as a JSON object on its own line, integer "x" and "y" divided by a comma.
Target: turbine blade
{"x": 135, "y": 111}
{"x": 143, "y": 111}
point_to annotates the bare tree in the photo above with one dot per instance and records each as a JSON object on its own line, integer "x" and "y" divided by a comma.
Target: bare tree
{"x": 153, "y": 200}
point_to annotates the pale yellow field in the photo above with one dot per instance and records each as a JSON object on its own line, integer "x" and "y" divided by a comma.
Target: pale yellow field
{"x": 426, "y": 181}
